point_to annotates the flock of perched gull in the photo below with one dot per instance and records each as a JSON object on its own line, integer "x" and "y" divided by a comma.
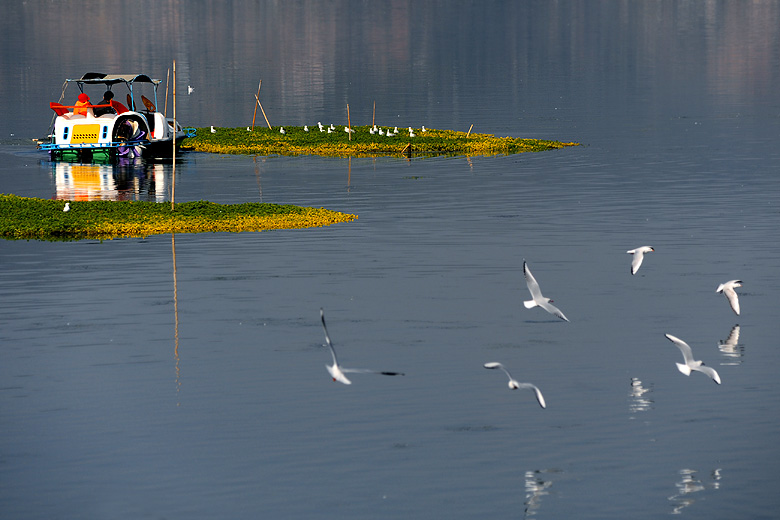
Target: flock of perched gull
{"x": 374, "y": 130}
{"x": 538, "y": 300}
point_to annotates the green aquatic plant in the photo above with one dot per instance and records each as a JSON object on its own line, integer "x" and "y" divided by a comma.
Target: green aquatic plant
{"x": 362, "y": 143}
{"x": 41, "y": 219}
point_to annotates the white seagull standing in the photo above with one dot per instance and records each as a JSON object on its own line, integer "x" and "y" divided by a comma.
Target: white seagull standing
{"x": 536, "y": 294}
{"x": 690, "y": 363}
{"x": 728, "y": 289}
{"x": 336, "y": 371}
{"x": 67, "y": 207}
{"x": 213, "y": 130}
{"x": 639, "y": 255}
{"x": 514, "y": 385}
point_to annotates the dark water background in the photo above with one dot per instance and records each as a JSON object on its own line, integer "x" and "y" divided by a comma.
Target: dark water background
{"x": 183, "y": 377}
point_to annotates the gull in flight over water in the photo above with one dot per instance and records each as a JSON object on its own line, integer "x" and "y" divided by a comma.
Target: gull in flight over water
{"x": 514, "y": 385}
{"x": 690, "y": 363}
{"x": 728, "y": 289}
{"x": 536, "y": 294}
{"x": 337, "y": 371}
{"x": 639, "y": 255}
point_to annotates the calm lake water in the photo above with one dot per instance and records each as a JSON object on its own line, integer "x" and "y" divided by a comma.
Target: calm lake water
{"x": 184, "y": 377}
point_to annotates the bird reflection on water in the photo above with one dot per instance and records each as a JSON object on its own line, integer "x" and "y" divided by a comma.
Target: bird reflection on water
{"x": 689, "y": 484}
{"x": 731, "y": 349}
{"x": 537, "y": 485}
{"x": 639, "y": 401}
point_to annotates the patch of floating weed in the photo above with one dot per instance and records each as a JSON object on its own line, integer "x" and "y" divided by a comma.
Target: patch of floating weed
{"x": 41, "y": 219}
{"x": 296, "y": 141}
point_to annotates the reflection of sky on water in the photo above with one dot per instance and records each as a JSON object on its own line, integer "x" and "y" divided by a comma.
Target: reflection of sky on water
{"x": 689, "y": 484}
{"x": 639, "y": 401}
{"x": 732, "y": 350}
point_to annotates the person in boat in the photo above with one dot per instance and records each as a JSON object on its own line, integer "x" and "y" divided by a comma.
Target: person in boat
{"x": 115, "y": 108}
{"x": 82, "y": 105}
{"x": 106, "y": 105}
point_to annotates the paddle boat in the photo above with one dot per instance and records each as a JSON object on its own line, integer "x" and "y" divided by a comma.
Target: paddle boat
{"x": 90, "y": 131}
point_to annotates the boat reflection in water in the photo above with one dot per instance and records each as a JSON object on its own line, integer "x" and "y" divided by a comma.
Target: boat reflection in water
{"x": 128, "y": 180}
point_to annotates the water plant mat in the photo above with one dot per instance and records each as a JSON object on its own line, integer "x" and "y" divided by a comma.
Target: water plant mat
{"x": 296, "y": 141}
{"x": 41, "y": 219}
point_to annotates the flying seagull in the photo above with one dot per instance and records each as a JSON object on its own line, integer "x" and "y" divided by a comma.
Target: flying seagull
{"x": 690, "y": 363}
{"x": 728, "y": 289}
{"x": 639, "y": 255}
{"x": 536, "y": 294}
{"x": 514, "y": 385}
{"x": 337, "y": 371}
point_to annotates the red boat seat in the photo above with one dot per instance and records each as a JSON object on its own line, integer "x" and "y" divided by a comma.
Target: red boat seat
{"x": 58, "y": 108}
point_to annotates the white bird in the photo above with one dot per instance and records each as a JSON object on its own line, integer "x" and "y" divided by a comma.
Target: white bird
{"x": 281, "y": 130}
{"x": 395, "y": 131}
{"x": 67, "y": 207}
{"x": 305, "y": 128}
{"x": 536, "y": 294}
{"x": 213, "y": 130}
{"x": 514, "y": 385}
{"x": 332, "y": 127}
{"x": 728, "y": 289}
{"x": 690, "y": 363}
{"x": 336, "y": 371}
{"x": 190, "y": 90}
{"x": 371, "y": 131}
{"x": 349, "y": 130}
{"x": 381, "y": 132}
{"x": 330, "y": 130}
{"x": 412, "y": 134}
{"x": 248, "y": 129}
{"x": 639, "y": 255}
{"x": 423, "y": 129}
{"x": 319, "y": 125}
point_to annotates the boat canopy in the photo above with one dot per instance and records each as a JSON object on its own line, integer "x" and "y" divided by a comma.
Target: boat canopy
{"x": 112, "y": 79}
{"x": 109, "y": 80}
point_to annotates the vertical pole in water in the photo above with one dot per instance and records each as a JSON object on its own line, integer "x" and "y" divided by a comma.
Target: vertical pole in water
{"x": 173, "y": 169}
{"x": 258, "y": 102}
{"x": 349, "y": 124}
{"x": 167, "y": 78}
{"x": 373, "y": 118}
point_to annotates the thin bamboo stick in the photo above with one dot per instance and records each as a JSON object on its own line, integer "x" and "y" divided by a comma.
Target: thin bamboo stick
{"x": 469, "y": 132}
{"x": 258, "y": 101}
{"x": 173, "y": 169}
{"x": 349, "y": 124}
{"x": 167, "y": 77}
{"x": 373, "y": 118}
{"x": 263, "y": 111}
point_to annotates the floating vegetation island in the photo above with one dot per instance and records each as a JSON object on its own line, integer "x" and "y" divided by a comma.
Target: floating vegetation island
{"x": 41, "y": 219}
{"x": 297, "y": 141}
